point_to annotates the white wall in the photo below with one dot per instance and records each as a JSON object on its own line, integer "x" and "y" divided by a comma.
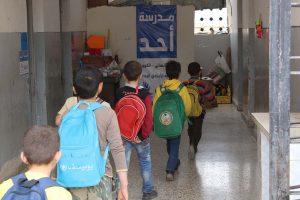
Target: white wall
{"x": 46, "y": 16}
{"x": 206, "y": 48}
{"x": 262, "y": 7}
{"x": 122, "y": 24}
{"x": 234, "y": 24}
{"x": 13, "y": 16}
{"x": 73, "y": 15}
{"x": 248, "y": 14}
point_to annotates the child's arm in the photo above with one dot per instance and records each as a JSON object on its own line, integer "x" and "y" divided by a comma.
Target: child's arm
{"x": 113, "y": 136}
{"x": 186, "y": 100}
{"x": 65, "y": 108}
{"x": 148, "y": 123}
{"x": 123, "y": 193}
{"x": 58, "y": 119}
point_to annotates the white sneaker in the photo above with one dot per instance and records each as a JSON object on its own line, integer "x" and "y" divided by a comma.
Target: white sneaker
{"x": 191, "y": 152}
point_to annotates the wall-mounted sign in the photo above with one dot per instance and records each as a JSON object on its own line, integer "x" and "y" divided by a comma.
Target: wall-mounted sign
{"x": 23, "y": 54}
{"x": 156, "y": 31}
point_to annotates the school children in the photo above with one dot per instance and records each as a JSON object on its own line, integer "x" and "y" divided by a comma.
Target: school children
{"x": 199, "y": 92}
{"x": 88, "y": 84}
{"x": 134, "y": 110}
{"x": 171, "y": 106}
{"x": 41, "y": 153}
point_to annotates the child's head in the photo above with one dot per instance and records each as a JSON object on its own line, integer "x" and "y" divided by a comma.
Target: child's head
{"x": 194, "y": 69}
{"x": 132, "y": 70}
{"x": 88, "y": 82}
{"x": 173, "y": 69}
{"x": 41, "y": 146}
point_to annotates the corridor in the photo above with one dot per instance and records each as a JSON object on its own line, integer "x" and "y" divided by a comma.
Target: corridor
{"x": 225, "y": 167}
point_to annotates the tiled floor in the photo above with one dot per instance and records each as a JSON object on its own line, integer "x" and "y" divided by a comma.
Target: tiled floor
{"x": 225, "y": 167}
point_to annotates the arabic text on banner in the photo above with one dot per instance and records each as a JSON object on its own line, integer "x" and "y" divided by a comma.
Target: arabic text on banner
{"x": 156, "y": 31}
{"x": 154, "y": 72}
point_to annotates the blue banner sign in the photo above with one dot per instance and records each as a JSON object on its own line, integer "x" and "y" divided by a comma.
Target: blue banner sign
{"x": 156, "y": 31}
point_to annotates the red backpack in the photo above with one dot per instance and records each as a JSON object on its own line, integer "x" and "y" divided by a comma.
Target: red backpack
{"x": 131, "y": 112}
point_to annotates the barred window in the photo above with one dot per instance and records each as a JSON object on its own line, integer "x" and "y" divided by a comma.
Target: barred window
{"x": 211, "y": 21}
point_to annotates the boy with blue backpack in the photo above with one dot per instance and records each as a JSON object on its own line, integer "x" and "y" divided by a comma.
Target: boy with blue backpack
{"x": 171, "y": 107}
{"x": 41, "y": 153}
{"x": 88, "y": 132}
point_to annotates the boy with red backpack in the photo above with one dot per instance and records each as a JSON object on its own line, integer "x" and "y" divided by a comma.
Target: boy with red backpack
{"x": 171, "y": 107}
{"x": 199, "y": 92}
{"x": 134, "y": 112}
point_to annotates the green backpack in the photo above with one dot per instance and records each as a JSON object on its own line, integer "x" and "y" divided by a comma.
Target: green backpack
{"x": 169, "y": 113}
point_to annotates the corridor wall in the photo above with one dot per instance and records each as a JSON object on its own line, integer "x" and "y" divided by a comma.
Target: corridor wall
{"x": 59, "y": 29}
{"x": 14, "y": 87}
{"x": 206, "y": 48}
{"x": 122, "y": 24}
{"x": 251, "y": 55}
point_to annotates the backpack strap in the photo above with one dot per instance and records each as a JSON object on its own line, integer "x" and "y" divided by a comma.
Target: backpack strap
{"x": 179, "y": 88}
{"x": 78, "y": 104}
{"x": 19, "y": 178}
{"x": 105, "y": 156}
{"x": 47, "y": 182}
{"x": 43, "y": 183}
{"x": 163, "y": 89}
{"x": 94, "y": 106}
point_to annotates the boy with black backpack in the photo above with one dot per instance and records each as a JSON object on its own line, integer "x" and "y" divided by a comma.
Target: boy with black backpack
{"x": 172, "y": 105}
{"x": 41, "y": 153}
{"x": 88, "y": 131}
{"x": 199, "y": 92}
{"x": 134, "y": 112}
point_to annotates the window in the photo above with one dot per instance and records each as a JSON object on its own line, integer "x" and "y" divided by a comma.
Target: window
{"x": 211, "y": 21}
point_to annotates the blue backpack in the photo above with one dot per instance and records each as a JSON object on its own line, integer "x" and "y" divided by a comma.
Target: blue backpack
{"x": 23, "y": 189}
{"x": 81, "y": 163}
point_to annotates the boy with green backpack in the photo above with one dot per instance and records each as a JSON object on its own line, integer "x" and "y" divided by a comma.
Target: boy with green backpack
{"x": 171, "y": 107}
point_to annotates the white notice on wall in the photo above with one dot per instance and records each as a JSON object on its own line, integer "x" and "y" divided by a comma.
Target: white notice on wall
{"x": 153, "y": 72}
{"x": 23, "y": 62}
{"x": 24, "y": 67}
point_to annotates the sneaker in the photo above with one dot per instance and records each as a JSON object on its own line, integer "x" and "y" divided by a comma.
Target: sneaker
{"x": 191, "y": 154}
{"x": 150, "y": 195}
{"x": 170, "y": 176}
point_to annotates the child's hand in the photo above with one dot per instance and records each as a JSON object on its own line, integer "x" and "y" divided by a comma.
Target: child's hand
{"x": 137, "y": 140}
{"x": 123, "y": 194}
{"x": 120, "y": 196}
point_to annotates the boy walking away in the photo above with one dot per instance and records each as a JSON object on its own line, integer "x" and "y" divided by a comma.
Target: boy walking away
{"x": 72, "y": 101}
{"x": 134, "y": 111}
{"x": 41, "y": 153}
{"x": 199, "y": 92}
{"x": 172, "y": 105}
{"x": 87, "y": 133}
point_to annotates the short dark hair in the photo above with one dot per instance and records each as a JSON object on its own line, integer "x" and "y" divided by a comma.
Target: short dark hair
{"x": 87, "y": 81}
{"x": 173, "y": 69}
{"x": 194, "y": 68}
{"x": 132, "y": 70}
{"x": 40, "y": 144}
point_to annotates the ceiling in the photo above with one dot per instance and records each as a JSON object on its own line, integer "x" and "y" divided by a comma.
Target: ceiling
{"x": 199, "y": 4}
